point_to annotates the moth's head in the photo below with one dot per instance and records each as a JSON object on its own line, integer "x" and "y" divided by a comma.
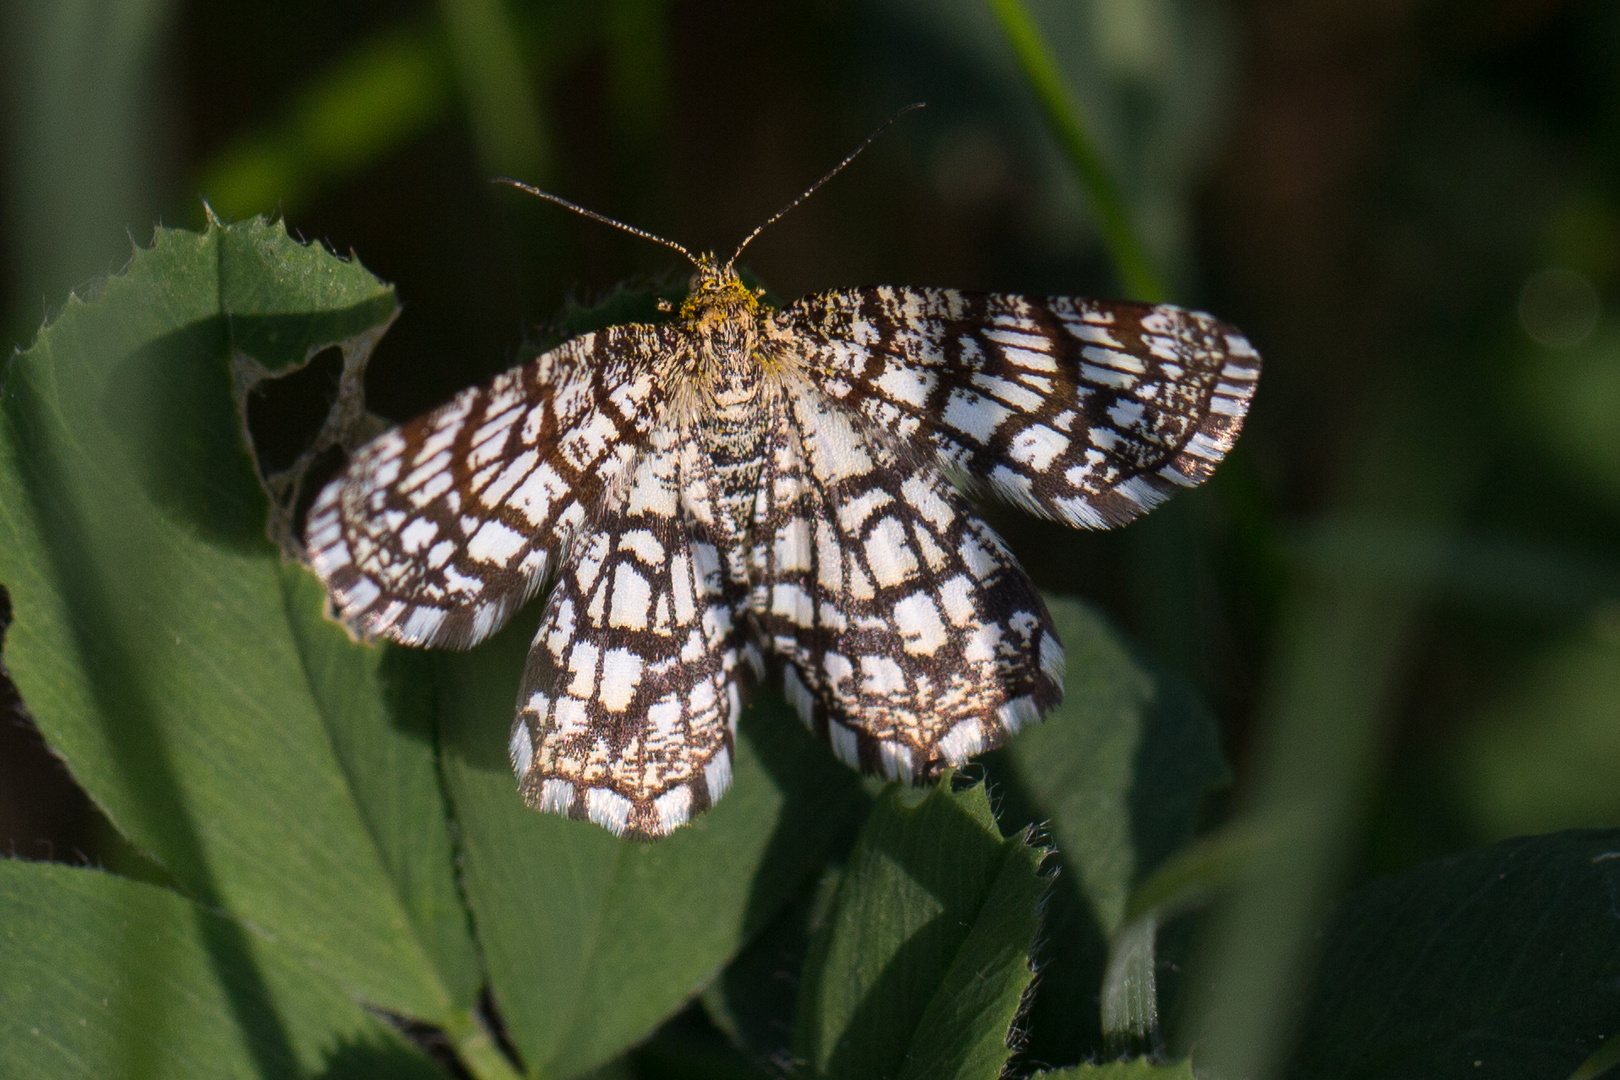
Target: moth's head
{"x": 716, "y": 295}
{"x": 717, "y": 299}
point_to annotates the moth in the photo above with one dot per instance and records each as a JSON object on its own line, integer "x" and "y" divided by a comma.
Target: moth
{"x": 744, "y": 493}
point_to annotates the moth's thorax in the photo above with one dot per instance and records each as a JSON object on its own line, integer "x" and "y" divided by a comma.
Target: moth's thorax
{"x": 732, "y": 392}
{"x": 722, "y": 319}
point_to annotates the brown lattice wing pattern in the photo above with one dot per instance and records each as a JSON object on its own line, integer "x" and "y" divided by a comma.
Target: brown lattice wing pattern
{"x": 630, "y": 697}
{"x": 440, "y": 528}
{"x": 1084, "y": 411}
{"x": 902, "y": 630}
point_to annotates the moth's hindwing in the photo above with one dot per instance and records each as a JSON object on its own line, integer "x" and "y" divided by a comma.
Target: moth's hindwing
{"x": 630, "y": 697}
{"x": 903, "y": 631}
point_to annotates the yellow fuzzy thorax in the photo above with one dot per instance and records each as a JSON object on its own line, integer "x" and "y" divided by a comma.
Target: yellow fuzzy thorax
{"x": 717, "y": 296}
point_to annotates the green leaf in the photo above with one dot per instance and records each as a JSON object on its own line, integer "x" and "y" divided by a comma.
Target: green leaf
{"x": 923, "y": 962}
{"x": 1120, "y": 768}
{"x": 1118, "y": 772}
{"x": 167, "y": 653}
{"x": 1501, "y": 962}
{"x": 754, "y": 999}
{"x": 592, "y": 941}
{"x": 377, "y": 703}
{"x": 103, "y": 977}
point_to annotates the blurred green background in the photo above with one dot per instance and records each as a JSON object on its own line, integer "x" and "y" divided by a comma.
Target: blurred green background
{"x": 1402, "y": 594}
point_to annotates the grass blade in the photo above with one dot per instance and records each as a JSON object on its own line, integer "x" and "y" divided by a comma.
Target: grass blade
{"x": 1130, "y": 257}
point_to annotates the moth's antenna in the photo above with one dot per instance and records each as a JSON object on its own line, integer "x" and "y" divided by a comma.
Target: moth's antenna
{"x": 594, "y": 216}
{"x": 811, "y": 190}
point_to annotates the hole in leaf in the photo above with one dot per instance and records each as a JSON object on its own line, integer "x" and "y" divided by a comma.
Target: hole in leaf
{"x": 285, "y": 412}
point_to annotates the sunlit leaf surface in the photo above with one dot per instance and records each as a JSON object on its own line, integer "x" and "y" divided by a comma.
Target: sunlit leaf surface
{"x": 182, "y": 670}
{"x": 105, "y": 977}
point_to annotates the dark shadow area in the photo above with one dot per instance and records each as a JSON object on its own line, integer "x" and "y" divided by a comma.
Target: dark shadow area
{"x": 815, "y": 787}
{"x": 759, "y": 989}
{"x": 1178, "y": 764}
{"x": 44, "y": 814}
{"x": 490, "y": 1010}
{"x": 380, "y": 1061}
{"x": 172, "y": 407}
{"x": 689, "y": 1047}
{"x": 1180, "y": 779}
{"x": 285, "y": 413}
{"x": 301, "y": 402}
{"x": 1063, "y": 1025}
{"x": 409, "y": 689}
{"x": 431, "y": 1041}
{"x": 325, "y": 465}
{"x": 441, "y": 1049}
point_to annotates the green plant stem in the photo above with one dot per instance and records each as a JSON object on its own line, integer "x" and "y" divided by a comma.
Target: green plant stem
{"x": 1130, "y": 995}
{"x": 1125, "y": 247}
{"x": 477, "y": 1049}
{"x": 505, "y": 112}
{"x": 1340, "y": 643}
